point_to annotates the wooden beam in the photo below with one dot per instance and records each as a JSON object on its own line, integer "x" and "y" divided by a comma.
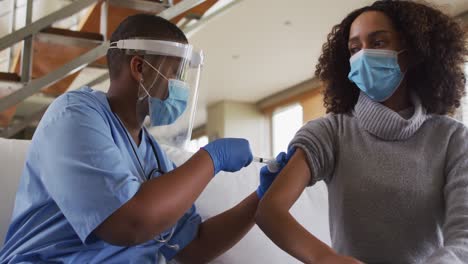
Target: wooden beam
{"x": 289, "y": 96}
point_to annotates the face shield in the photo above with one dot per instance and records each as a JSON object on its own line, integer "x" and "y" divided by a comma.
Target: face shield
{"x": 171, "y": 91}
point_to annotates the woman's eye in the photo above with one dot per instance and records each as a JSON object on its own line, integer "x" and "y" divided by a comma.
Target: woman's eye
{"x": 379, "y": 43}
{"x": 353, "y": 50}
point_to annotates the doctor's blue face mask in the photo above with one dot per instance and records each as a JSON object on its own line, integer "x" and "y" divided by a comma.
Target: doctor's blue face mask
{"x": 180, "y": 64}
{"x": 376, "y": 72}
{"x": 167, "y": 111}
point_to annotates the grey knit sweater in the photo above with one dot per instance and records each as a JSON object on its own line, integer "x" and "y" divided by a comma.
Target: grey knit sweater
{"x": 398, "y": 188}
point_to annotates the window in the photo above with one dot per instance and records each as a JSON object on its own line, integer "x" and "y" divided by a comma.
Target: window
{"x": 285, "y": 123}
{"x": 464, "y": 108}
{"x": 196, "y": 143}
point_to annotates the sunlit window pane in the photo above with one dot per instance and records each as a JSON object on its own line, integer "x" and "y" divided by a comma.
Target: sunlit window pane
{"x": 285, "y": 122}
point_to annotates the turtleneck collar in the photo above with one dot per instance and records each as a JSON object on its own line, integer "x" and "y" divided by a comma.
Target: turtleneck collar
{"x": 386, "y": 124}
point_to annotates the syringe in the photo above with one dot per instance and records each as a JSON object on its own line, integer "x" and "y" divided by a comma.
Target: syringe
{"x": 272, "y": 165}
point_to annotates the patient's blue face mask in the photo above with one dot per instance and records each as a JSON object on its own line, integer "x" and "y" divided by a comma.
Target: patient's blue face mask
{"x": 376, "y": 72}
{"x": 166, "y": 112}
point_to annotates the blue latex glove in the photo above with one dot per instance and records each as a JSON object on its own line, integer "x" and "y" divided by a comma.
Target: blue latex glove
{"x": 229, "y": 154}
{"x": 267, "y": 177}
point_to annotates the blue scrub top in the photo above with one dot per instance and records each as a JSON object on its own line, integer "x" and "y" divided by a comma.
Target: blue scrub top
{"x": 81, "y": 168}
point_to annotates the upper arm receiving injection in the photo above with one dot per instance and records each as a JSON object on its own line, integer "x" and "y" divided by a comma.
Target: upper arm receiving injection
{"x": 291, "y": 181}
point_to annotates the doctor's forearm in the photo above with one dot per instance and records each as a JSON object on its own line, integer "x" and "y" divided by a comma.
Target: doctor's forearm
{"x": 158, "y": 204}
{"x": 165, "y": 199}
{"x": 219, "y": 233}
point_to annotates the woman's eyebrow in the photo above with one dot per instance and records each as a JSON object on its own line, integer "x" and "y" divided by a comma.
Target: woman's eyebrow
{"x": 354, "y": 39}
{"x": 378, "y": 32}
{"x": 370, "y": 35}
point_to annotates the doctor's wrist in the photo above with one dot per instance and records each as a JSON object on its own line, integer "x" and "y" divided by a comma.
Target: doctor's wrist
{"x": 212, "y": 164}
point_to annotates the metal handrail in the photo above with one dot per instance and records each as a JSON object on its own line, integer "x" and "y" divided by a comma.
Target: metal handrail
{"x": 15, "y": 7}
{"x": 40, "y": 24}
{"x": 77, "y": 64}
{"x": 34, "y": 86}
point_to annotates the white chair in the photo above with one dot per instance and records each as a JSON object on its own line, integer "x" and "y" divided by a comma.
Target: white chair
{"x": 224, "y": 191}
{"x": 12, "y": 157}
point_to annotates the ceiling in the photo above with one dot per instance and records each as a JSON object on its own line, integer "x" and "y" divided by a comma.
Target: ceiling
{"x": 261, "y": 47}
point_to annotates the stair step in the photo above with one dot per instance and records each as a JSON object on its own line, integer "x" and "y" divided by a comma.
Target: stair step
{"x": 69, "y": 37}
{"x": 9, "y": 77}
{"x": 74, "y": 34}
{"x": 149, "y": 6}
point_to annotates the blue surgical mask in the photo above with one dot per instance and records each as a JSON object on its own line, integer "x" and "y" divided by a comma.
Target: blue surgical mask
{"x": 376, "y": 72}
{"x": 166, "y": 112}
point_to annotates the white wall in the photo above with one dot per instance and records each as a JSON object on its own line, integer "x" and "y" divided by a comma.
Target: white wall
{"x": 240, "y": 120}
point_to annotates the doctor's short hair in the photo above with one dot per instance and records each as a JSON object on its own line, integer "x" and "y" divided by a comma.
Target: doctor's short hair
{"x": 143, "y": 26}
{"x": 436, "y": 43}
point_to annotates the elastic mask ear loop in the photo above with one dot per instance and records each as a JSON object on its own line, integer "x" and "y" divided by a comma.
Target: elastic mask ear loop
{"x": 159, "y": 72}
{"x": 154, "y": 80}
{"x": 144, "y": 89}
{"x": 403, "y": 73}
{"x": 398, "y": 54}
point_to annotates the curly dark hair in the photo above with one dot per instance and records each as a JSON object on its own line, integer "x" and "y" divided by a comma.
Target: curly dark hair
{"x": 434, "y": 40}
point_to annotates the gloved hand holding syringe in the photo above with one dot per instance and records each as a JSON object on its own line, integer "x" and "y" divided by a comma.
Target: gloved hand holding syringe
{"x": 269, "y": 172}
{"x": 272, "y": 165}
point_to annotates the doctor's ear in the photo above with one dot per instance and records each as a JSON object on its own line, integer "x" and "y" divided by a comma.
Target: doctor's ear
{"x": 136, "y": 68}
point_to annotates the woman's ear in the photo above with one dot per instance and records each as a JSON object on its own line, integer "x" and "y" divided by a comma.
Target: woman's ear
{"x": 136, "y": 68}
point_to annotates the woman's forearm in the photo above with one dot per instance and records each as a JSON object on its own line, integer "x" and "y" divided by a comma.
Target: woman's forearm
{"x": 273, "y": 215}
{"x": 281, "y": 227}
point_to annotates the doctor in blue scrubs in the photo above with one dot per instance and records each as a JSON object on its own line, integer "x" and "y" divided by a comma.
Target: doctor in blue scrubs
{"x": 97, "y": 187}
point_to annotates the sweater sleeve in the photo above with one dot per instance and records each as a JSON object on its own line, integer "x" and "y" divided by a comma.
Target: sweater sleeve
{"x": 317, "y": 139}
{"x": 455, "y": 228}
